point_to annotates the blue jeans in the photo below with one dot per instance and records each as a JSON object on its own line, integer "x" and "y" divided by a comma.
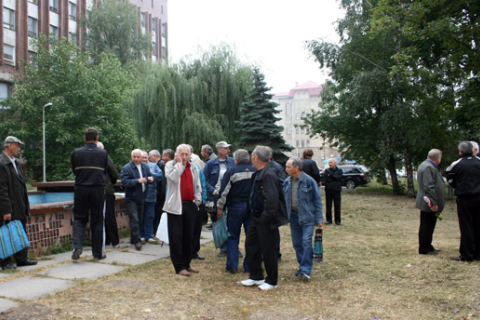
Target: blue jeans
{"x": 237, "y": 215}
{"x": 148, "y": 216}
{"x": 302, "y": 240}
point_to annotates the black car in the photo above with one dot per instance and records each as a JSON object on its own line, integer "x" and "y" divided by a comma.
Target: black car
{"x": 353, "y": 176}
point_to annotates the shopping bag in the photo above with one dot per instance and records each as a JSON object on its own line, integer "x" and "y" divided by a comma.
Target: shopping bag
{"x": 12, "y": 239}
{"x": 162, "y": 230}
{"x": 219, "y": 231}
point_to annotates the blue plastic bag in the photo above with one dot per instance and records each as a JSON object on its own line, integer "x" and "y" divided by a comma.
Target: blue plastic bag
{"x": 219, "y": 231}
{"x": 12, "y": 239}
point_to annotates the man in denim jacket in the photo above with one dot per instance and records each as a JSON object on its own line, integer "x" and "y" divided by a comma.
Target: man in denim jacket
{"x": 304, "y": 209}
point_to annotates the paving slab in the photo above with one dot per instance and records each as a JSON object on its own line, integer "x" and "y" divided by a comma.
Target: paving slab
{"x": 30, "y": 288}
{"x": 87, "y": 253}
{"x": 5, "y": 274}
{"x": 7, "y": 304}
{"x": 153, "y": 249}
{"x": 82, "y": 270}
{"x": 130, "y": 258}
{"x": 40, "y": 264}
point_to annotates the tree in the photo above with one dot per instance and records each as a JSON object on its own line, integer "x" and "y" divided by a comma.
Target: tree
{"x": 257, "y": 123}
{"x": 82, "y": 95}
{"x": 114, "y": 27}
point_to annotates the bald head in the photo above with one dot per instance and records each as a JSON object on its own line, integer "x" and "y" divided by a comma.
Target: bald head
{"x": 332, "y": 163}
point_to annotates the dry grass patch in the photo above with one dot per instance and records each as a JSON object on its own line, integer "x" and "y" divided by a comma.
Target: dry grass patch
{"x": 371, "y": 269}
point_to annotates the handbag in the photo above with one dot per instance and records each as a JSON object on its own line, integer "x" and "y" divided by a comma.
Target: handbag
{"x": 12, "y": 239}
{"x": 219, "y": 231}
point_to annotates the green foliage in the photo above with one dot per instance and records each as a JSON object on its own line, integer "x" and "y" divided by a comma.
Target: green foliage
{"x": 114, "y": 28}
{"x": 257, "y": 123}
{"x": 193, "y": 102}
{"x": 83, "y": 95}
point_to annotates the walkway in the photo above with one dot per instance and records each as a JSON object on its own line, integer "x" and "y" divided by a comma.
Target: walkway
{"x": 59, "y": 272}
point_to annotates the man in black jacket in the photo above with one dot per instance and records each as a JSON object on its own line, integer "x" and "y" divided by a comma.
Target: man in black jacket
{"x": 267, "y": 208}
{"x": 464, "y": 176}
{"x": 89, "y": 165}
{"x": 333, "y": 191}
{"x": 309, "y": 166}
{"x": 14, "y": 203}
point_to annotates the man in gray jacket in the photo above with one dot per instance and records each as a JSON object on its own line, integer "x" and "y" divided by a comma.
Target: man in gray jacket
{"x": 430, "y": 199}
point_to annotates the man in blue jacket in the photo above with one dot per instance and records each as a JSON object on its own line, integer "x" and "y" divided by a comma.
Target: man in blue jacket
{"x": 151, "y": 198}
{"x": 135, "y": 178}
{"x": 214, "y": 171}
{"x": 304, "y": 209}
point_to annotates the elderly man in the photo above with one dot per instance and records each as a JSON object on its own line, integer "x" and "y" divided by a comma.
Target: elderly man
{"x": 196, "y": 159}
{"x": 111, "y": 229}
{"x": 304, "y": 209}
{"x": 333, "y": 191}
{"x": 267, "y": 208}
{"x": 89, "y": 165}
{"x": 464, "y": 176}
{"x": 136, "y": 177}
{"x": 432, "y": 186}
{"x": 475, "y": 147}
{"x": 214, "y": 171}
{"x": 234, "y": 194}
{"x": 14, "y": 203}
{"x": 207, "y": 153}
{"x": 184, "y": 195}
{"x": 151, "y": 198}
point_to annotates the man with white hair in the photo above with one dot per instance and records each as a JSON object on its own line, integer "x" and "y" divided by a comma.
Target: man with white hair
{"x": 475, "y": 148}
{"x": 136, "y": 177}
{"x": 333, "y": 191}
{"x": 184, "y": 196}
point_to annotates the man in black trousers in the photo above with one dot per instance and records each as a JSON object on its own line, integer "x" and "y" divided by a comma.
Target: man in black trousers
{"x": 89, "y": 165}
{"x": 333, "y": 191}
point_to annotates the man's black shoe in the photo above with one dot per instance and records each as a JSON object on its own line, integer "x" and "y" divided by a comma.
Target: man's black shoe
{"x": 240, "y": 255}
{"x": 338, "y": 223}
{"x": 9, "y": 266}
{"x": 430, "y": 253}
{"x": 232, "y": 271}
{"x": 102, "y": 257}
{"x": 26, "y": 263}
{"x": 460, "y": 258}
{"x": 222, "y": 254}
{"x": 328, "y": 222}
{"x": 209, "y": 227}
{"x": 76, "y": 254}
{"x": 199, "y": 257}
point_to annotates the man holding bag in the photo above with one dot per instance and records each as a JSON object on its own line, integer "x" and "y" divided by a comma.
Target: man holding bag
{"x": 14, "y": 203}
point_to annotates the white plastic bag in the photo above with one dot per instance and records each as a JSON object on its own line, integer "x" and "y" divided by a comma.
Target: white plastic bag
{"x": 162, "y": 231}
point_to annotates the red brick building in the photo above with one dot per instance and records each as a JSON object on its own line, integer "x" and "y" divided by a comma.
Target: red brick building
{"x": 25, "y": 19}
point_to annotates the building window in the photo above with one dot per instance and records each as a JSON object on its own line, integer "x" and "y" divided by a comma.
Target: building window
{"x": 152, "y": 3}
{"x": 288, "y": 110}
{"x": 9, "y": 54}
{"x": 154, "y": 49}
{"x": 32, "y": 58}
{"x": 164, "y": 29}
{"x": 54, "y": 7}
{"x": 72, "y": 11}
{"x": 303, "y": 130}
{"x": 8, "y": 18}
{"x": 54, "y": 34}
{"x": 303, "y": 115}
{"x": 308, "y": 143}
{"x": 72, "y": 37}
{"x": 298, "y": 143}
{"x": 303, "y": 143}
{"x": 297, "y": 130}
{"x": 154, "y": 24}
{"x": 5, "y": 90}
{"x": 297, "y": 116}
{"x": 32, "y": 27}
{"x": 308, "y": 130}
{"x": 289, "y": 130}
{"x": 164, "y": 52}
{"x": 142, "y": 18}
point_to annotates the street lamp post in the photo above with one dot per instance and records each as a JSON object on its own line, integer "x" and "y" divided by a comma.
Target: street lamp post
{"x": 44, "y": 158}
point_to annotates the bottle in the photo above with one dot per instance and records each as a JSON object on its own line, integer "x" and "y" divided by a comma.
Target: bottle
{"x": 318, "y": 247}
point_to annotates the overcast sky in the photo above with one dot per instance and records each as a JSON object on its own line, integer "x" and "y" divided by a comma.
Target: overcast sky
{"x": 267, "y": 33}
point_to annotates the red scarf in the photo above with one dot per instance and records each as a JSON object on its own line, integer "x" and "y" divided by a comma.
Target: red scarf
{"x": 186, "y": 184}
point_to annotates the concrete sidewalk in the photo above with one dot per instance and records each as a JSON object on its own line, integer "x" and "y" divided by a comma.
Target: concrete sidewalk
{"x": 59, "y": 272}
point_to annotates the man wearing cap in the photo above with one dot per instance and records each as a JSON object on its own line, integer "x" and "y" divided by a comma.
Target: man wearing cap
{"x": 89, "y": 164}
{"x": 14, "y": 203}
{"x": 214, "y": 171}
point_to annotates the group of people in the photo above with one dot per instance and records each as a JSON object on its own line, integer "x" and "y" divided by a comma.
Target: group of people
{"x": 464, "y": 176}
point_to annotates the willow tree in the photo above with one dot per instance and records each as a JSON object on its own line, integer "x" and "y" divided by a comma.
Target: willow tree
{"x": 195, "y": 102}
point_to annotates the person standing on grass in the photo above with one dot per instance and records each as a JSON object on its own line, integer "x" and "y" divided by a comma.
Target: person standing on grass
{"x": 304, "y": 209}
{"x": 333, "y": 191}
{"x": 432, "y": 186}
{"x": 89, "y": 165}
{"x": 309, "y": 166}
{"x": 266, "y": 206}
{"x": 184, "y": 196}
{"x": 464, "y": 176}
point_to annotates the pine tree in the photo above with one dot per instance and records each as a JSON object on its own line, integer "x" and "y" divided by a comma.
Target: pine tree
{"x": 257, "y": 124}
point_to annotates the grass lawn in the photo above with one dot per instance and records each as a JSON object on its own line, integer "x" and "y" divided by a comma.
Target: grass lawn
{"x": 371, "y": 270}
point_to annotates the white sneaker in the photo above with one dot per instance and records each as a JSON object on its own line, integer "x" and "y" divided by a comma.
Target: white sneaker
{"x": 250, "y": 282}
{"x": 265, "y": 286}
{"x": 151, "y": 240}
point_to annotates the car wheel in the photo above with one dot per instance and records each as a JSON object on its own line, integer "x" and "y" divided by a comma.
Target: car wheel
{"x": 350, "y": 184}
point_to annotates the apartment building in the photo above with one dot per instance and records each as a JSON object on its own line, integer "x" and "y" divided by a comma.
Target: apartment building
{"x": 294, "y": 106}
{"x": 24, "y": 20}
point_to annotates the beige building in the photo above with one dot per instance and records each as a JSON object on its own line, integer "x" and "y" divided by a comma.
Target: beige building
{"x": 294, "y": 106}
